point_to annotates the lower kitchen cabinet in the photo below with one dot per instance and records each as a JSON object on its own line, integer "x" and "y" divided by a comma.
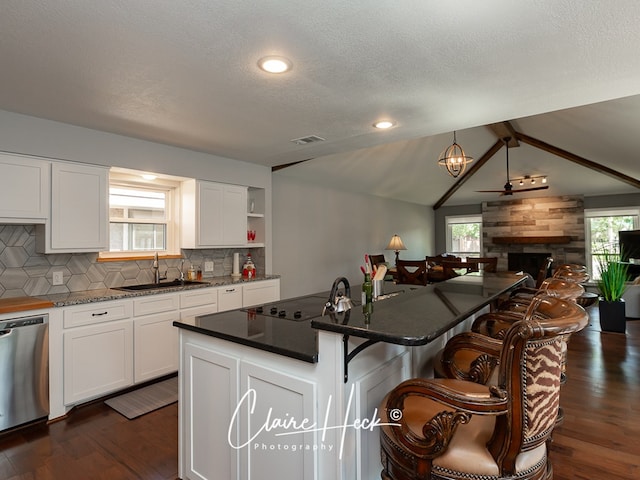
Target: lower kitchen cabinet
{"x": 98, "y": 359}
{"x": 99, "y": 348}
{"x": 155, "y": 346}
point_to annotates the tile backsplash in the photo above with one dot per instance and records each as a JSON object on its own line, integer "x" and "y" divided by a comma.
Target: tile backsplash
{"x": 25, "y": 272}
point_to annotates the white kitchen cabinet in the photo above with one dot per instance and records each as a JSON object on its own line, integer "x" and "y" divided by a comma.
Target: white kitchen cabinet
{"x": 79, "y": 220}
{"x": 155, "y": 346}
{"x": 98, "y": 359}
{"x": 229, "y": 297}
{"x": 24, "y": 189}
{"x": 213, "y": 214}
{"x": 258, "y": 293}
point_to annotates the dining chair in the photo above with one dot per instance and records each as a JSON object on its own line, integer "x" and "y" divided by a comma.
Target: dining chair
{"x": 435, "y": 272}
{"x": 411, "y": 272}
{"x": 489, "y": 264}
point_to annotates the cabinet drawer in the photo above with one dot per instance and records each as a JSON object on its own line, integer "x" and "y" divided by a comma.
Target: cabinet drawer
{"x": 260, "y": 292}
{"x": 96, "y": 313}
{"x": 155, "y": 304}
{"x": 229, "y": 298}
{"x": 202, "y": 296}
{"x": 191, "y": 313}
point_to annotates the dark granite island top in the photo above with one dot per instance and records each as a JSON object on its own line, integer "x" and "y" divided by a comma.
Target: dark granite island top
{"x": 417, "y": 315}
{"x": 409, "y": 316}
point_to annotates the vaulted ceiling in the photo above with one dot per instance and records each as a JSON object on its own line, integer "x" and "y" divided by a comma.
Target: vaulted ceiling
{"x": 565, "y": 72}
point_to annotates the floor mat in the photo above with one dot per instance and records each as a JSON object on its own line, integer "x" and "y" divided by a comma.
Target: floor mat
{"x": 146, "y": 399}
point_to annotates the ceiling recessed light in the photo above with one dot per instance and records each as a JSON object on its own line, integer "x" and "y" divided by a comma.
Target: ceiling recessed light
{"x": 274, "y": 64}
{"x": 383, "y": 124}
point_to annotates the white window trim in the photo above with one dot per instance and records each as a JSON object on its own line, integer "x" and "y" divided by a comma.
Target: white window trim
{"x": 604, "y": 212}
{"x": 173, "y": 219}
{"x": 453, "y": 219}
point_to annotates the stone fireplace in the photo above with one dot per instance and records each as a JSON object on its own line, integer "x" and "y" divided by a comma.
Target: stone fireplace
{"x": 526, "y": 262}
{"x": 534, "y": 228}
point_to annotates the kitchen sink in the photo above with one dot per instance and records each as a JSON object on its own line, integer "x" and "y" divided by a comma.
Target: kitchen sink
{"x": 159, "y": 286}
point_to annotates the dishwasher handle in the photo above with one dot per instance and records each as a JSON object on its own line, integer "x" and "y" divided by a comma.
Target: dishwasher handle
{"x": 5, "y": 332}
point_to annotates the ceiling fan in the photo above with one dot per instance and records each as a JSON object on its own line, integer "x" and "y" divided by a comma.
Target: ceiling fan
{"x": 508, "y": 187}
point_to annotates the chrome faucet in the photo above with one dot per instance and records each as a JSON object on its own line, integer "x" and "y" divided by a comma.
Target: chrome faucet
{"x": 182, "y": 270}
{"x": 156, "y": 270}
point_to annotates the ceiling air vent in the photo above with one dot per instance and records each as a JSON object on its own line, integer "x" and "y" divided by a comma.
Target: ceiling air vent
{"x": 307, "y": 140}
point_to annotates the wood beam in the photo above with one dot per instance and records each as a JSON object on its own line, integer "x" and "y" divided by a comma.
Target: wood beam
{"x": 503, "y": 130}
{"x": 474, "y": 168}
{"x": 275, "y": 168}
{"x": 534, "y": 142}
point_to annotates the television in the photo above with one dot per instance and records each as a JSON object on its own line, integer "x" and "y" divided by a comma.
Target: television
{"x": 629, "y": 244}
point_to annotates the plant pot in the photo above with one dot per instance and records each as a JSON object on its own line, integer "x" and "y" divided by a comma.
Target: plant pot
{"x": 612, "y": 316}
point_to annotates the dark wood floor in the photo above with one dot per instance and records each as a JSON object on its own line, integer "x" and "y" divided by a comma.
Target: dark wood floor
{"x": 599, "y": 439}
{"x": 95, "y": 442}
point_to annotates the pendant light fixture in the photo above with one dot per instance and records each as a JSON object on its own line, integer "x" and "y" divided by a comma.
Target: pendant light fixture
{"x": 454, "y": 159}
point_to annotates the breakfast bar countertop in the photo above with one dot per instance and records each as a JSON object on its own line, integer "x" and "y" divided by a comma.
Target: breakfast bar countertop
{"x": 409, "y": 315}
{"x": 418, "y": 315}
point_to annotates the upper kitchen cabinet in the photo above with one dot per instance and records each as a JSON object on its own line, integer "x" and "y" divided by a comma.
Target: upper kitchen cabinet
{"x": 24, "y": 189}
{"x": 213, "y": 214}
{"x": 79, "y": 219}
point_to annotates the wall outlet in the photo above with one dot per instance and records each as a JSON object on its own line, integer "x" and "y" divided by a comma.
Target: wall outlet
{"x": 208, "y": 267}
{"x": 58, "y": 278}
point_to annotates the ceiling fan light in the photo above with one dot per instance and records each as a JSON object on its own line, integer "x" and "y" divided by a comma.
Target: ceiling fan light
{"x": 521, "y": 182}
{"x": 544, "y": 179}
{"x": 454, "y": 159}
{"x": 533, "y": 181}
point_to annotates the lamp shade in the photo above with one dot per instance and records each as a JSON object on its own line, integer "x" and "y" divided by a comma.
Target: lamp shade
{"x": 396, "y": 244}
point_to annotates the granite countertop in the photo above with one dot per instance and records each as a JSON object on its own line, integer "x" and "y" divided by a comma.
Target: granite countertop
{"x": 17, "y": 304}
{"x": 409, "y": 315}
{"x": 272, "y": 334}
{"x": 419, "y": 315}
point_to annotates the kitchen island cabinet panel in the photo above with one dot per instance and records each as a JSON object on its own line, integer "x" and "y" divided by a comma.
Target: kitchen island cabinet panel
{"x": 208, "y": 414}
{"x": 277, "y": 395}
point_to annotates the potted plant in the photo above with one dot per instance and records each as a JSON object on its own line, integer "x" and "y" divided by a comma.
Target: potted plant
{"x": 612, "y": 284}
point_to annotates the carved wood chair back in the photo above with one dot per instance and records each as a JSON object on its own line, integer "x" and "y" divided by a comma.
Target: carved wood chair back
{"x": 503, "y": 427}
{"x": 411, "y": 272}
{"x": 489, "y": 264}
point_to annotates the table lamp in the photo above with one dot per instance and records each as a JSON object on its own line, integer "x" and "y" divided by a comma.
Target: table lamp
{"x": 396, "y": 244}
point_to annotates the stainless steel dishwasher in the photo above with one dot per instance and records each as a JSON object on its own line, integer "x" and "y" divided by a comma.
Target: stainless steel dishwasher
{"x": 24, "y": 370}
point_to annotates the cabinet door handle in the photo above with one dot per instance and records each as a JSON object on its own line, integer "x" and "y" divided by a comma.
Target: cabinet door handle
{"x": 99, "y": 314}
{"x": 229, "y": 290}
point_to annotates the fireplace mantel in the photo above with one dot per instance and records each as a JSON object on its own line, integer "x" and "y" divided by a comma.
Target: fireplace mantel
{"x": 533, "y": 240}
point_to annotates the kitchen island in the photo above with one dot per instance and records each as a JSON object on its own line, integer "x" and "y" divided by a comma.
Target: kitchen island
{"x": 295, "y": 395}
